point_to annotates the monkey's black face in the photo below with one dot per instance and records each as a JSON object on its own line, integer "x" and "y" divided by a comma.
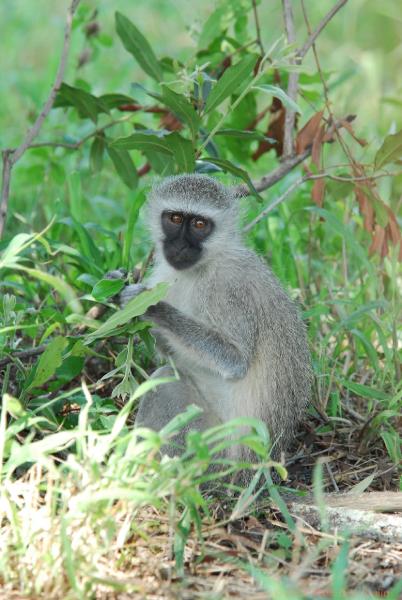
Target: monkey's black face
{"x": 184, "y": 236}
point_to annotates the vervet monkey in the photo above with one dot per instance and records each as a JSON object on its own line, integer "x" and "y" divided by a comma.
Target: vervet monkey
{"x": 235, "y": 337}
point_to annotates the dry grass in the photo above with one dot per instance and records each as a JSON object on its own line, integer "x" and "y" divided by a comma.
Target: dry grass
{"x": 129, "y": 551}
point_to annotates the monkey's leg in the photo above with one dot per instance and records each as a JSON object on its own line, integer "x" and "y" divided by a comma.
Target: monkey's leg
{"x": 161, "y": 404}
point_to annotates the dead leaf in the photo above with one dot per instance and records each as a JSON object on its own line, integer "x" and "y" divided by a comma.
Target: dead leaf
{"x": 170, "y": 122}
{"x": 378, "y": 240}
{"x": 384, "y": 248}
{"x": 366, "y": 208}
{"x": 318, "y": 191}
{"x": 306, "y": 135}
{"x": 275, "y": 131}
{"x": 317, "y": 145}
{"x": 346, "y": 124}
{"x": 394, "y": 231}
{"x": 257, "y": 65}
{"x": 333, "y": 127}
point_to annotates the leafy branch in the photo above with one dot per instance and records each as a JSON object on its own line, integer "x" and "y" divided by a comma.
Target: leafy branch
{"x": 11, "y": 157}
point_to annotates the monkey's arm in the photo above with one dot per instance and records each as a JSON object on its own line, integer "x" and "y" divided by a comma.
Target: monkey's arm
{"x": 222, "y": 353}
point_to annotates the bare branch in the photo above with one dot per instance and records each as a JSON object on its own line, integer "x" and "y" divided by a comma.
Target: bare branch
{"x": 276, "y": 175}
{"x": 17, "y": 356}
{"x": 290, "y": 163}
{"x": 311, "y": 177}
{"x": 257, "y": 27}
{"x": 323, "y": 23}
{"x": 5, "y": 187}
{"x": 293, "y": 80}
{"x": 293, "y": 83}
{"x": 9, "y": 159}
{"x": 290, "y": 160}
{"x": 80, "y": 142}
{"x": 275, "y": 203}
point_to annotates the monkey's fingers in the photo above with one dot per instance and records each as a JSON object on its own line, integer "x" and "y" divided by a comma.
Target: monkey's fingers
{"x": 116, "y": 274}
{"x": 129, "y": 292}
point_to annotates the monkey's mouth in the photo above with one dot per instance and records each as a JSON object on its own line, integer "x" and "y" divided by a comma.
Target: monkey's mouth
{"x": 181, "y": 256}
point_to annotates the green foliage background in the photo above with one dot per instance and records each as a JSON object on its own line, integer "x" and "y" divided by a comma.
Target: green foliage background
{"x": 75, "y": 214}
{"x": 90, "y": 199}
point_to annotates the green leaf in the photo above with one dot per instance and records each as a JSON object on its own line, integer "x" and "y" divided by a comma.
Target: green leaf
{"x": 183, "y": 152}
{"x": 135, "y": 43}
{"x": 85, "y": 103}
{"x": 106, "y": 288}
{"x": 65, "y": 291}
{"x": 141, "y": 141}
{"x": 182, "y": 108}
{"x": 88, "y": 247}
{"x": 179, "y": 421}
{"x": 114, "y": 100}
{"x": 161, "y": 163}
{"x": 48, "y": 362}
{"x": 75, "y": 195}
{"x": 364, "y": 391}
{"x": 134, "y": 210}
{"x": 13, "y": 406}
{"x": 277, "y": 92}
{"x": 137, "y": 306}
{"x": 96, "y": 154}
{"x": 35, "y": 451}
{"x": 339, "y": 570}
{"x": 9, "y": 257}
{"x": 244, "y": 134}
{"x": 124, "y": 166}
{"x": 212, "y": 27}
{"x": 393, "y": 444}
{"x": 227, "y": 165}
{"x": 380, "y": 210}
{"x": 390, "y": 150}
{"x": 70, "y": 368}
{"x": 231, "y": 80}
{"x": 362, "y": 486}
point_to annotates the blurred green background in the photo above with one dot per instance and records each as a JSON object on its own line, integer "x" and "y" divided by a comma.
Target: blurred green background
{"x": 362, "y": 45}
{"x": 360, "y": 53}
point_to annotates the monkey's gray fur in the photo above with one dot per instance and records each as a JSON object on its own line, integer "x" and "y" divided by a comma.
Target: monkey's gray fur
{"x": 234, "y": 335}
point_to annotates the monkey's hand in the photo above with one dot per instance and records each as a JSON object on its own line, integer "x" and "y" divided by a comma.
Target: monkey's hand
{"x": 129, "y": 292}
{"x": 220, "y": 353}
{"x": 116, "y": 274}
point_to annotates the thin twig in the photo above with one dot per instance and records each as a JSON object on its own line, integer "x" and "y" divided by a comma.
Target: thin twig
{"x": 257, "y": 27}
{"x": 289, "y": 164}
{"x": 293, "y": 83}
{"x": 302, "y": 180}
{"x": 23, "y": 354}
{"x": 9, "y": 159}
{"x": 323, "y": 23}
{"x": 5, "y": 187}
{"x": 275, "y": 203}
{"x": 80, "y": 142}
{"x": 274, "y": 176}
{"x": 293, "y": 80}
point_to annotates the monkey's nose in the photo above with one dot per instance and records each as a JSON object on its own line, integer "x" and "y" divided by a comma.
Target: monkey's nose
{"x": 180, "y": 248}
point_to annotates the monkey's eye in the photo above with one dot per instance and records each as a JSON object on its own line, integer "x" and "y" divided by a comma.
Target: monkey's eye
{"x": 176, "y": 218}
{"x": 199, "y": 223}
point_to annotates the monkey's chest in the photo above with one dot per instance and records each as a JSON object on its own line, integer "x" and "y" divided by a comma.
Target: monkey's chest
{"x": 186, "y": 300}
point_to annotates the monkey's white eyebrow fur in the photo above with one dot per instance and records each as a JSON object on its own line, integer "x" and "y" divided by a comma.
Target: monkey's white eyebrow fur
{"x": 190, "y": 206}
